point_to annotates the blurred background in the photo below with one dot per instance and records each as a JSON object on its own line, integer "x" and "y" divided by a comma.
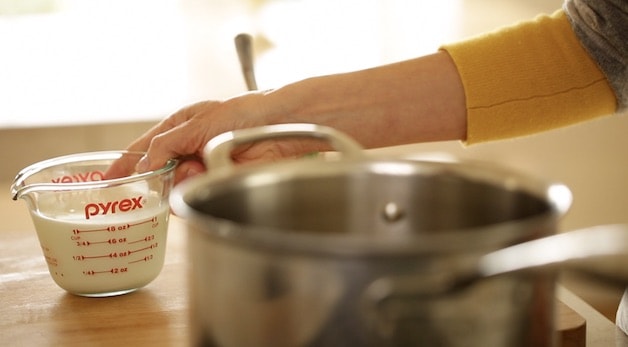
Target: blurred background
{"x": 82, "y": 75}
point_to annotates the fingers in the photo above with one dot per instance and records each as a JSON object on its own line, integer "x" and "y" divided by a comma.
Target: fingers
{"x": 184, "y": 134}
{"x": 143, "y": 143}
{"x": 187, "y": 132}
{"x": 121, "y": 167}
{"x": 184, "y": 140}
{"x": 128, "y": 164}
{"x": 187, "y": 169}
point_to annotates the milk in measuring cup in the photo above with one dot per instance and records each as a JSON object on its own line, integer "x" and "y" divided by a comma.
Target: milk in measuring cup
{"x": 100, "y": 235}
{"x": 110, "y": 245}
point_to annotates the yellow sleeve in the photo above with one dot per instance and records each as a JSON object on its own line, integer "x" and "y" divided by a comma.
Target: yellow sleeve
{"x": 528, "y": 78}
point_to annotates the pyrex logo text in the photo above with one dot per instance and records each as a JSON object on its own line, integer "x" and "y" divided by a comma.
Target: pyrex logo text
{"x": 81, "y": 177}
{"x": 111, "y": 207}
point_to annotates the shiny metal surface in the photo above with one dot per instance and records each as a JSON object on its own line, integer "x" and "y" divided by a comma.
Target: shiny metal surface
{"x": 244, "y": 48}
{"x": 284, "y": 254}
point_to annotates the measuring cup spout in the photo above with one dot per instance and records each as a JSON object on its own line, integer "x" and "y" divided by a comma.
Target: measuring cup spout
{"x": 34, "y": 180}
{"x": 18, "y": 193}
{"x": 15, "y": 192}
{"x": 19, "y": 189}
{"x": 49, "y": 175}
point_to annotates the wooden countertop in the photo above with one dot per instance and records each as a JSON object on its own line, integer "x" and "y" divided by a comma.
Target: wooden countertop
{"x": 36, "y": 312}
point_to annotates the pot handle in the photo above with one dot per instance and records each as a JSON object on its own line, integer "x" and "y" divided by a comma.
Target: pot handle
{"x": 600, "y": 252}
{"x": 217, "y": 152}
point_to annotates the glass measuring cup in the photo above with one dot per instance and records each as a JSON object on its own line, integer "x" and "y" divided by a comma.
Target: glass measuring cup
{"x": 99, "y": 237}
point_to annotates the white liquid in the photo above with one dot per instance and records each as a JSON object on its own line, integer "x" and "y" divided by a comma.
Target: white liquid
{"x": 104, "y": 256}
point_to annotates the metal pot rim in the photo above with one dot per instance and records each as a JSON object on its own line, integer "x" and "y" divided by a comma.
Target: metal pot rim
{"x": 557, "y": 196}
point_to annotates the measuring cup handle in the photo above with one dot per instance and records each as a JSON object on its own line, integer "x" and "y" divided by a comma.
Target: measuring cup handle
{"x": 217, "y": 152}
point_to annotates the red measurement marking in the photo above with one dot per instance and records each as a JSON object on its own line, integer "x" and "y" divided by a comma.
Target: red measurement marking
{"x": 112, "y": 228}
{"x": 111, "y": 241}
{"x": 115, "y": 270}
{"x": 78, "y": 231}
{"x": 83, "y": 257}
{"x": 110, "y": 255}
{"x": 146, "y": 258}
{"x": 145, "y": 239}
{"x": 152, "y": 220}
{"x": 92, "y": 272}
{"x": 115, "y": 254}
{"x": 154, "y": 245}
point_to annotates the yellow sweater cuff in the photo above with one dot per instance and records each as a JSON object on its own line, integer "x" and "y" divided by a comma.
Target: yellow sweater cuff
{"x": 528, "y": 78}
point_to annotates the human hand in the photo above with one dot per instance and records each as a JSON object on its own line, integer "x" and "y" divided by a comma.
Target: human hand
{"x": 408, "y": 102}
{"x": 184, "y": 134}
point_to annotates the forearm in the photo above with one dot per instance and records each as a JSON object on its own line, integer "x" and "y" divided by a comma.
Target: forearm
{"x": 413, "y": 101}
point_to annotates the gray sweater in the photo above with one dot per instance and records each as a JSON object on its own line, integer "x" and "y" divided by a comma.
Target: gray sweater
{"x": 602, "y": 27}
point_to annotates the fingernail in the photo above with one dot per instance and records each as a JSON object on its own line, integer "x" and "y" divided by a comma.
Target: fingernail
{"x": 142, "y": 165}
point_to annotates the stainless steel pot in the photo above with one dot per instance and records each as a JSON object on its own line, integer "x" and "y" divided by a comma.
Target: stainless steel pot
{"x": 372, "y": 252}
